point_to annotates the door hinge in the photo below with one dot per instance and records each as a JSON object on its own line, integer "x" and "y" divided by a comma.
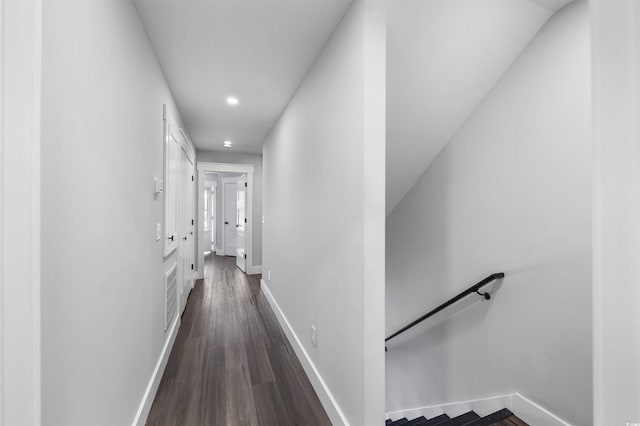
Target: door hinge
{"x": 192, "y": 178}
{"x": 245, "y": 255}
{"x": 245, "y": 184}
{"x": 192, "y": 266}
{"x": 192, "y": 222}
{"x": 245, "y": 220}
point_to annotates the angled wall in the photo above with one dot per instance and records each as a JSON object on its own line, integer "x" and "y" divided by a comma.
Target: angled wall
{"x": 511, "y": 192}
{"x": 323, "y": 250}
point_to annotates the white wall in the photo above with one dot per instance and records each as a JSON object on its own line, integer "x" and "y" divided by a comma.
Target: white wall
{"x": 103, "y": 304}
{"x": 324, "y": 219}
{"x": 239, "y": 158}
{"x": 20, "y": 71}
{"x": 511, "y": 192}
{"x": 616, "y": 37}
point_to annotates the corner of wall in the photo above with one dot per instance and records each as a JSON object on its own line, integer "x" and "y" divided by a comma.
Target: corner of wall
{"x": 328, "y": 401}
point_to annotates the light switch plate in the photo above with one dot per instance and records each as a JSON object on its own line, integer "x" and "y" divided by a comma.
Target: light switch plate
{"x": 314, "y": 336}
{"x": 157, "y": 186}
{"x": 158, "y": 231}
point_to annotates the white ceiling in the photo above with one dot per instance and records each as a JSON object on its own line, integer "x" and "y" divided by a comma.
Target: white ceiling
{"x": 257, "y": 50}
{"x": 443, "y": 57}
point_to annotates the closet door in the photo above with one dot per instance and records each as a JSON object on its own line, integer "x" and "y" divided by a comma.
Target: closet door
{"x": 171, "y": 168}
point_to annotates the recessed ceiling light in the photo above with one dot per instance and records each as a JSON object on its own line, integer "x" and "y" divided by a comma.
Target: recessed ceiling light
{"x": 227, "y": 144}
{"x": 231, "y": 100}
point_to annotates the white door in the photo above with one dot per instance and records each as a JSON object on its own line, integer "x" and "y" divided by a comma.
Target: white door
{"x": 212, "y": 217}
{"x": 206, "y": 220}
{"x": 172, "y": 188}
{"x": 230, "y": 188}
{"x": 185, "y": 229}
{"x": 241, "y": 218}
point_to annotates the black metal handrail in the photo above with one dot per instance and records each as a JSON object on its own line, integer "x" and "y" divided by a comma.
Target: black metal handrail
{"x": 473, "y": 289}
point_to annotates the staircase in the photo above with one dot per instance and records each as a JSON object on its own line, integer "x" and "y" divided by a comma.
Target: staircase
{"x": 502, "y": 417}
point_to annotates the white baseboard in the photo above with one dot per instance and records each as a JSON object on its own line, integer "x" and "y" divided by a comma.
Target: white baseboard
{"x": 253, "y": 270}
{"x": 329, "y": 403}
{"x": 219, "y": 251}
{"x": 522, "y": 407}
{"x": 534, "y": 414}
{"x": 154, "y": 382}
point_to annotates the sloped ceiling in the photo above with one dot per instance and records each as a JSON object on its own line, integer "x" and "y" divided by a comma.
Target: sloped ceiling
{"x": 443, "y": 57}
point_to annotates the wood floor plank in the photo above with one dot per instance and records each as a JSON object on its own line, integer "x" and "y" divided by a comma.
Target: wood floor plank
{"x": 214, "y": 407}
{"x": 231, "y": 363}
{"x": 259, "y": 363}
{"x": 271, "y": 408}
{"x": 240, "y": 405}
{"x": 295, "y": 388}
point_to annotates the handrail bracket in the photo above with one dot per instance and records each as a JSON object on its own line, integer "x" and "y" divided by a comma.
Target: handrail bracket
{"x": 486, "y": 295}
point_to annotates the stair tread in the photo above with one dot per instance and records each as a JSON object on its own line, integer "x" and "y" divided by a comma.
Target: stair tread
{"x": 461, "y": 420}
{"x": 511, "y": 421}
{"x": 398, "y": 422}
{"x": 492, "y": 418}
{"x": 437, "y": 420}
{"x": 418, "y": 421}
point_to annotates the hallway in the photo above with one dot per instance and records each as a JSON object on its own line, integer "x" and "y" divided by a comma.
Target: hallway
{"x": 231, "y": 363}
{"x": 412, "y": 147}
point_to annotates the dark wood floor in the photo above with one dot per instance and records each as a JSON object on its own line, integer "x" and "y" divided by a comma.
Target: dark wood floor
{"x": 231, "y": 363}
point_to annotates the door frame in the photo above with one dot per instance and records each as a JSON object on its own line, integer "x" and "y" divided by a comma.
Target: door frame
{"x": 223, "y": 181}
{"x": 248, "y": 169}
{"x": 213, "y": 217}
{"x": 242, "y": 179}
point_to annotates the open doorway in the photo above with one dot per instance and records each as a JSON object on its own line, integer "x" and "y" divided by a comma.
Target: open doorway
{"x": 225, "y": 219}
{"x": 209, "y": 217}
